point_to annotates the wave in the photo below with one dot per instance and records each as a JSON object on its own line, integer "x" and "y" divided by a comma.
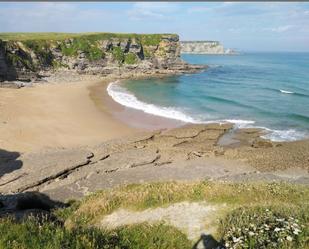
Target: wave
{"x": 287, "y": 92}
{"x": 284, "y": 91}
{"x": 125, "y": 98}
{"x": 284, "y": 135}
{"x": 239, "y": 123}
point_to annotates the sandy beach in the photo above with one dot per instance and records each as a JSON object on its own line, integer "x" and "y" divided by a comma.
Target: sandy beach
{"x": 56, "y": 116}
{"x": 64, "y": 115}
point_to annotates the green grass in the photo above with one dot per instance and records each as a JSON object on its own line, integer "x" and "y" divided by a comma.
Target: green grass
{"x": 118, "y": 55}
{"x": 37, "y": 36}
{"x": 130, "y": 58}
{"x": 147, "y": 39}
{"x": 72, "y": 44}
{"x": 140, "y": 197}
{"x": 32, "y": 235}
{"x": 249, "y": 218}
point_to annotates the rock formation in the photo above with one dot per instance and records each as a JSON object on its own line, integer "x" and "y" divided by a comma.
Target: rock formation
{"x": 94, "y": 54}
{"x": 204, "y": 47}
{"x": 191, "y": 152}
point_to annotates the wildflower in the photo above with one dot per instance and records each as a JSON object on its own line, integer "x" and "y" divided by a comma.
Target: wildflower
{"x": 280, "y": 220}
{"x": 277, "y": 229}
{"x": 235, "y": 240}
{"x": 289, "y": 238}
{"x": 296, "y": 231}
{"x": 251, "y": 233}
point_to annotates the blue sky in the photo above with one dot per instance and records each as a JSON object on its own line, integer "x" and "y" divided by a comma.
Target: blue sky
{"x": 259, "y": 26}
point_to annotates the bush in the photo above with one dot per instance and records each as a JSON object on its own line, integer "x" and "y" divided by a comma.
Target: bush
{"x": 42, "y": 51}
{"x": 130, "y": 58}
{"x": 94, "y": 53}
{"x": 266, "y": 227}
{"x": 118, "y": 55}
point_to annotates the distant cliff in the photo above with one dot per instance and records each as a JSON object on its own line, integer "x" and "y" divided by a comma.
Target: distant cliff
{"x": 28, "y": 56}
{"x": 202, "y": 47}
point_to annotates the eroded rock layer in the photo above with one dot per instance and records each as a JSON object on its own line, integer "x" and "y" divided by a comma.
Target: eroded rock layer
{"x": 187, "y": 153}
{"x": 92, "y": 54}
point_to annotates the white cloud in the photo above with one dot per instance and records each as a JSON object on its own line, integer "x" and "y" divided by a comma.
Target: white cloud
{"x": 281, "y": 29}
{"x": 156, "y": 10}
{"x": 46, "y": 16}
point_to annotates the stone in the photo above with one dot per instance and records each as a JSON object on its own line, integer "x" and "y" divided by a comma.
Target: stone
{"x": 262, "y": 143}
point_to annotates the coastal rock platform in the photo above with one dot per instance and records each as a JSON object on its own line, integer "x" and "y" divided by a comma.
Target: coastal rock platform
{"x": 192, "y": 152}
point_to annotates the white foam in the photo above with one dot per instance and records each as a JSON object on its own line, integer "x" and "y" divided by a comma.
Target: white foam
{"x": 284, "y": 135}
{"x": 284, "y": 91}
{"x": 125, "y": 98}
{"x": 239, "y": 123}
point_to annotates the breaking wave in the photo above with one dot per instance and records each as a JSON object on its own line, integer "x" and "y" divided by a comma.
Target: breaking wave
{"x": 126, "y": 98}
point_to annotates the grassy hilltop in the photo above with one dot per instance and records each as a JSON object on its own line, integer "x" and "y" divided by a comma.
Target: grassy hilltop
{"x": 24, "y": 54}
{"x": 147, "y": 39}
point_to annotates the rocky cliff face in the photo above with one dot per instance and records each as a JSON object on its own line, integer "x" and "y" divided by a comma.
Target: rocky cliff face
{"x": 102, "y": 54}
{"x": 202, "y": 47}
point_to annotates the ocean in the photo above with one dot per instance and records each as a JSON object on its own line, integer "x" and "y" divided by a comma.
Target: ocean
{"x": 265, "y": 90}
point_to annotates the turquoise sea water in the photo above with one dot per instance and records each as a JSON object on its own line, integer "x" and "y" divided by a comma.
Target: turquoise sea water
{"x": 269, "y": 90}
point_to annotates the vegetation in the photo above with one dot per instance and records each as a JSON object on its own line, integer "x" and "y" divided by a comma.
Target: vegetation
{"x": 266, "y": 227}
{"x": 25, "y": 61}
{"x": 130, "y": 58}
{"x": 140, "y": 197}
{"x": 32, "y": 235}
{"x": 254, "y": 215}
{"x": 151, "y": 40}
{"x": 81, "y": 44}
{"x": 36, "y": 36}
{"x": 118, "y": 55}
{"x": 73, "y": 45}
{"x": 41, "y": 49}
{"x": 146, "y": 39}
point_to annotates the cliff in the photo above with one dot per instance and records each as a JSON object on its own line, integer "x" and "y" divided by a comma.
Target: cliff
{"x": 202, "y": 47}
{"x": 27, "y": 57}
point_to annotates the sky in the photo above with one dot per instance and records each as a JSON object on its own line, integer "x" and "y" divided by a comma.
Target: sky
{"x": 246, "y": 26}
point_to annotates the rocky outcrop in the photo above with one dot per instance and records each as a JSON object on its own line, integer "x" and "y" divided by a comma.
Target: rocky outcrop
{"x": 190, "y": 152}
{"x": 204, "y": 47}
{"x": 95, "y": 54}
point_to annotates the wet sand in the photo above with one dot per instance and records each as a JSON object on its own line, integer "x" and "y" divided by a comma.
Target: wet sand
{"x": 133, "y": 118}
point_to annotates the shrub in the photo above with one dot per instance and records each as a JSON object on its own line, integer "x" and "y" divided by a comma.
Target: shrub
{"x": 130, "y": 58}
{"x": 118, "y": 55}
{"x": 266, "y": 227}
{"x": 94, "y": 53}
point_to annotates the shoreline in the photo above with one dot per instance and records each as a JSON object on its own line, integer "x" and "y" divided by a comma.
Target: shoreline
{"x": 70, "y": 110}
{"x": 149, "y": 111}
{"x": 33, "y": 118}
{"x": 84, "y": 141}
{"x": 132, "y": 117}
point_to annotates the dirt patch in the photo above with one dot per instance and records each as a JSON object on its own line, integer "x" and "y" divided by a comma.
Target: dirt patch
{"x": 194, "y": 218}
